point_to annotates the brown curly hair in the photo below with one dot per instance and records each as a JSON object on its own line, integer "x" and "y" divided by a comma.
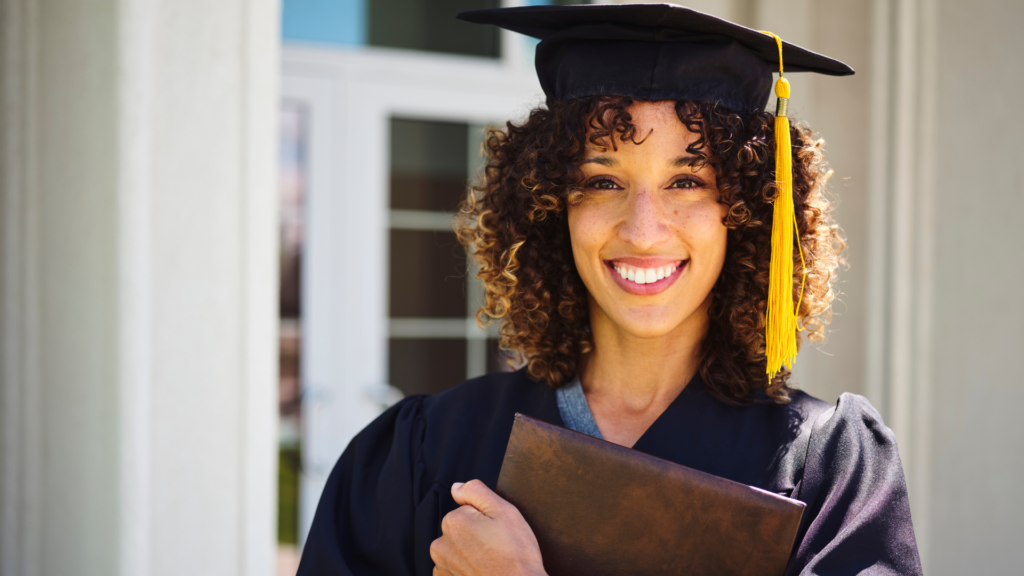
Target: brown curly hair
{"x": 514, "y": 224}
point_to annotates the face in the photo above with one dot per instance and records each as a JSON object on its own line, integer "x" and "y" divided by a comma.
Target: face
{"x": 648, "y": 238}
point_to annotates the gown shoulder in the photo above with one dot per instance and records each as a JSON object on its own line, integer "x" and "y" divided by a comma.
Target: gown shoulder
{"x": 362, "y": 521}
{"x": 857, "y": 519}
{"x": 383, "y": 502}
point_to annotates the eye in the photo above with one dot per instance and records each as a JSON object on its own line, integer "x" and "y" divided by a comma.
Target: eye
{"x": 686, "y": 183}
{"x": 602, "y": 184}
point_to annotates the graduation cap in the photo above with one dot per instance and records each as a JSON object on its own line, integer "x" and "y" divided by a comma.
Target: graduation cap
{"x": 653, "y": 52}
{"x": 668, "y": 52}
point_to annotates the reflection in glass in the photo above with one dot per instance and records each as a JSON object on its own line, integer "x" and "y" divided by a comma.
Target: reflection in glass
{"x": 429, "y": 164}
{"x": 426, "y": 365}
{"x": 431, "y": 25}
{"x": 497, "y": 359}
{"x": 428, "y": 275}
{"x": 292, "y": 170}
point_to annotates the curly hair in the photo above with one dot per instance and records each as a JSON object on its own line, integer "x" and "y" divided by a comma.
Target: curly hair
{"x": 514, "y": 225}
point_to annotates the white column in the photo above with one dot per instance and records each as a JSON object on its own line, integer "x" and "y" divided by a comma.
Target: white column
{"x": 138, "y": 287}
{"x": 975, "y": 385}
{"x": 902, "y": 170}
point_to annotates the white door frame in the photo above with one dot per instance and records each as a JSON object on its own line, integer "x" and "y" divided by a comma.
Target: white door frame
{"x": 350, "y": 96}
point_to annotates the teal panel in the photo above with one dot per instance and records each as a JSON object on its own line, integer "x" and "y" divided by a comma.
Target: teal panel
{"x": 329, "y": 21}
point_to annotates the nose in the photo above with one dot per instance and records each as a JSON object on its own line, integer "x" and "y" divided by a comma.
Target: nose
{"x": 645, "y": 224}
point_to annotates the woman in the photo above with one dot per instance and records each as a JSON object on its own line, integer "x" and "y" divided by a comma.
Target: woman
{"x": 623, "y": 234}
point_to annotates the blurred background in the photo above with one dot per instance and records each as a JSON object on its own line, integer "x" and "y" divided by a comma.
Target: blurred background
{"x": 225, "y": 247}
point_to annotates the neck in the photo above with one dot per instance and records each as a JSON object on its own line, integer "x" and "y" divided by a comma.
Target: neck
{"x": 641, "y": 374}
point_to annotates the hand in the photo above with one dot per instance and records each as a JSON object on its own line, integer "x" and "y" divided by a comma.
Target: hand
{"x": 485, "y": 536}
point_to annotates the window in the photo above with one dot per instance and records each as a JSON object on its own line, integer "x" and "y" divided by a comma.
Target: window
{"x": 430, "y": 25}
{"x": 434, "y": 342}
{"x": 293, "y": 160}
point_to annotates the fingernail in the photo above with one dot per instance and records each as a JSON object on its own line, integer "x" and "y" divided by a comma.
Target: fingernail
{"x": 457, "y": 485}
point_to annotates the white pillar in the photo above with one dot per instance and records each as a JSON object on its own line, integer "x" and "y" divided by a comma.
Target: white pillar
{"x": 970, "y": 158}
{"x": 138, "y": 262}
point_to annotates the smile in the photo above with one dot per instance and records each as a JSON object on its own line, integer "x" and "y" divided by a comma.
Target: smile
{"x": 645, "y": 275}
{"x": 647, "y": 279}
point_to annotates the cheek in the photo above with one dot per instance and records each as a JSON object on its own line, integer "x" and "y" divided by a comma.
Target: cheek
{"x": 701, "y": 225}
{"x": 588, "y": 231}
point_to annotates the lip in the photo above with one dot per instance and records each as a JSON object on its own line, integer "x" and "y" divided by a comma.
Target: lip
{"x": 645, "y": 289}
{"x": 645, "y": 261}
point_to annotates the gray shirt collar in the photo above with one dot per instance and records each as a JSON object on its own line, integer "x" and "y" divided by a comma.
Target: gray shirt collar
{"x": 572, "y": 405}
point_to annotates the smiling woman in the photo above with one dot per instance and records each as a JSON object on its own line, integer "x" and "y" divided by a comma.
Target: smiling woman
{"x": 635, "y": 239}
{"x": 608, "y": 182}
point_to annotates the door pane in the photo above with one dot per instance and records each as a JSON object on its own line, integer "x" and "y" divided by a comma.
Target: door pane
{"x": 293, "y": 173}
{"x": 429, "y": 164}
{"x": 497, "y": 359}
{"x": 426, "y": 366}
{"x": 428, "y": 275}
{"x": 431, "y": 25}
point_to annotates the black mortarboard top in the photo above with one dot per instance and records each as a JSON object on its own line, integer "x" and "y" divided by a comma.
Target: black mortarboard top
{"x": 653, "y": 52}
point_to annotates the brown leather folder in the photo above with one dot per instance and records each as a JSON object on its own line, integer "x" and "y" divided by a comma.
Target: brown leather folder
{"x": 598, "y": 508}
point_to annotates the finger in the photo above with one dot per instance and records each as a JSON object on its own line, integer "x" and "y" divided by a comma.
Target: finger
{"x": 476, "y": 494}
{"x": 438, "y": 551}
{"x": 460, "y": 520}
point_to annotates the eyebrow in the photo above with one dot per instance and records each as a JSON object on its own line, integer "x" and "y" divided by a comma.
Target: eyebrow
{"x": 687, "y": 161}
{"x": 679, "y": 162}
{"x": 602, "y": 160}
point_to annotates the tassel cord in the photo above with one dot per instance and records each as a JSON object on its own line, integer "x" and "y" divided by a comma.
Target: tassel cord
{"x": 782, "y": 327}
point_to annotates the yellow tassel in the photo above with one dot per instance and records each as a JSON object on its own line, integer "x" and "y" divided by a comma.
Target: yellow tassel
{"x": 781, "y": 329}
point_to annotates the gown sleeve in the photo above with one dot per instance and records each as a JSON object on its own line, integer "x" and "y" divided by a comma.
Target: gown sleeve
{"x": 366, "y": 521}
{"x": 857, "y": 519}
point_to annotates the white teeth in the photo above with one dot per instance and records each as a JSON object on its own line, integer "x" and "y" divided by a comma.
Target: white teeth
{"x": 645, "y": 275}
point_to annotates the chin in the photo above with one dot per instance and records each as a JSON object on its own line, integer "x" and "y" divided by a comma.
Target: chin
{"x": 652, "y": 324}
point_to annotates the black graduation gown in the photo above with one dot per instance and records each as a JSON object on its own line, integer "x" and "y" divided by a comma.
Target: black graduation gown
{"x": 383, "y": 503}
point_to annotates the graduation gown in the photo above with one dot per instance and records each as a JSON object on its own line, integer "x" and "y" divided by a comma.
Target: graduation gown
{"x": 383, "y": 502}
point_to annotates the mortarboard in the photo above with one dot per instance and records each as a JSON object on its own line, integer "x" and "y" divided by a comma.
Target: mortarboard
{"x": 668, "y": 52}
{"x": 653, "y": 52}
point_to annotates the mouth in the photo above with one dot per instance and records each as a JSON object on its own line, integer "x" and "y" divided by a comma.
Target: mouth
{"x": 645, "y": 278}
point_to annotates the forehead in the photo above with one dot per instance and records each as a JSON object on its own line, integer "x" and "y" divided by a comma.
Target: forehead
{"x": 658, "y": 128}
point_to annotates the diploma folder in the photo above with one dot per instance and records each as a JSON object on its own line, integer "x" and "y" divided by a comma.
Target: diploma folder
{"x": 598, "y": 508}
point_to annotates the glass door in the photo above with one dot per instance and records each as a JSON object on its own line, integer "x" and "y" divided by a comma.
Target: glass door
{"x": 433, "y": 338}
{"x": 388, "y": 298}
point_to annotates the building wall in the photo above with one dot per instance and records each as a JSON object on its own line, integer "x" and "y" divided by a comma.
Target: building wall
{"x": 138, "y": 264}
{"x": 977, "y": 517}
{"x": 60, "y": 362}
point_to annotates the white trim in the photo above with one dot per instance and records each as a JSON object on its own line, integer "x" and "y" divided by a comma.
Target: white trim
{"x": 420, "y": 85}
{"x": 901, "y": 235}
{"x": 13, "y": 163}
{"x": 259, "y": 102}
{"x": 21, "y": 538}
{"x": 877, "y": 227}
{"x": 928, "y": 118}
{"x": 135, "y": 321}
{"x": 323, "y": 355}
{"x": 903, "y": 189}
{"x": 425, "y": 220}
{"x": 436, "y": 328}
